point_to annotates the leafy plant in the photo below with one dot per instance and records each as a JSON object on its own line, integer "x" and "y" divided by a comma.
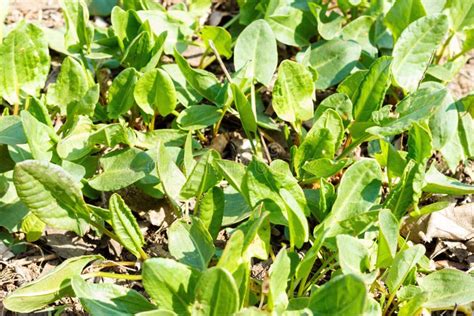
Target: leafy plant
{"x": 352, "y": 94}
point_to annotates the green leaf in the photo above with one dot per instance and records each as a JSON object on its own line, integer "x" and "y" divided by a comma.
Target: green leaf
{"x": 155, "y": 93}
{"x": 77, "y": 143}
{"x": 247, "y": 114}
{"x": 11, "y": 130}
{"x": 333, "y": 60}
{"x": 353, "y": 255}
{"x": 290, "y": 20}
{"x": 211, "y": 210}
{"x": 125, "y": 225}
{"x": 38, "y": 137}
{"x": 216, "y": 293}
{"x": 350, "y": 85}
{"x": 328, "y": 26}
{"x": 436, "y": 182}
{"x": 185, "y": 93}
{"x": 388, "y": 238}
{"x": 402, "y": 264}
{"x": 358, "y": 191}
{"x": 24, "y": 62}
{"x": 202, "y": 178}
{"x": 51, "y": 194}
{"x": 306, "y": 264}
{"x": 342, "y": 295}
{"x": 443, "y": 123}
{"x": 408, "y": 191}
{"x": 125, "y": 24}
{"x": 76, "y": 16}
{"x": 447, "y": 288}
{"x": 287, "y": 203}
{"x": 33, "y": 227}
{"x": 144, "y": 52}
{"x": 220, "y": 37}
{"x": 169, "y": 173}
{"x": 122, "y": 168}
{"x": 372, "y": 89}
{"x": 417, "y": 107}
{"x": 204, "y": 82}
{"x": 47, "y": 288}
{"x": 403, "y": 13}
{"x": 359, "y": 30}
{"x": 170, "y": 284}
{"x": 293, "y": 92}
{"x": 190, "y": 242}
{"x": 461, "y": 14}
{"x": 340, "y": 103}
{"x": 120, "y": 97}
{"x": 256, "y": 46}
{"x": 109, "y": 299}
{"x": 419, "y": 143}
{"x": 279, "y": 274}
{"x": 322, "y": 140}
{"x": 324, "y": 167}
{"x": 71, "y": 85}
{"x": 413, "y": 51}
{"x": 198, "y": 117}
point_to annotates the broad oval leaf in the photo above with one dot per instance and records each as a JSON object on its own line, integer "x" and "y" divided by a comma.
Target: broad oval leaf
{"x": 342, "y": 295}
{"x": 122, "y": 168}
{"x": 322, "y": 140}
{"x": 51, "y": 194}
{"x": 198, "y": 117}
{"x": 436, "y": 182}
{"x": 247, "y": 114}
{"x": 256, "y": 46}
{"x": 279, "y": 274}
{"x": 447, "y": 288}
{"x": 372, "y": 89}
{"x": 293, "y": 92}
{"x": 403, "y": 13}
{"x": 170, "y": 284}
{"x": 190, "y": 242}
{"x": 109, "y": 299}
{"x": 24, "y": 62}
{"x": 216, "y": 293}
{"x": 403, "y": 262}
{"x": 120, "y": 97}
{"x": 71, "y": 85}
{"x": 48, "y": 288}
{"x": 333, "y": 60}
{"x": 125, "y": 226}
{"x": 202, "y": 178}
{"x": 155, "y": 90}
{"x": 412, "y": 52}
{"x": 358, "y": 191}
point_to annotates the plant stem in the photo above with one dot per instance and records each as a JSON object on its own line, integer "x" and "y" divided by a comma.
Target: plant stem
{"x": 219, "y": 122}
{"x": 443, "y": 48}
{"x": 111, "y": 275}
{"x": 16, "y": 108}
{"x": 219, "y": 60}
{"x": 232, "y": 21}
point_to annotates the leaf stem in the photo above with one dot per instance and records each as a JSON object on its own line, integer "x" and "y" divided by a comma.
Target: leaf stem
{"x": 219, "y": 60}
{"x": 231, "y": 21}
{"x": 443, "y": 48}
{"x": 111, "y": 275}
{"x": 110, "y": 234}
{"x": 16, "y": 108}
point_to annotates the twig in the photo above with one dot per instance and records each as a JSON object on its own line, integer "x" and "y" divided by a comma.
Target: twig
{"x": 131, "y": 277}
{"x": 35, "y": 259}
{"x": 265, "y": 149}
{"x": 219, "y": 60}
